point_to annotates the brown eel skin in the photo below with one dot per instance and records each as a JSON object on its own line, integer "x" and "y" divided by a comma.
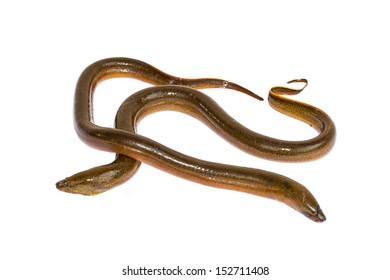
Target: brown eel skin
{"x": 174, "y": 93}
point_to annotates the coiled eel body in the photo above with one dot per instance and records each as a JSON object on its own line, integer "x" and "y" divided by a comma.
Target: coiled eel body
{"x": 176, "y": 94}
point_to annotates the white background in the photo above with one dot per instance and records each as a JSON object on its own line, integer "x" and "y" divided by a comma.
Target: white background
{"x": 157, "y": 220}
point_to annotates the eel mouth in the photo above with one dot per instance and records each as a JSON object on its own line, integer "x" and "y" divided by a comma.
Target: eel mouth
{"x": 317, "y": 216}
{"x": 62, "y": 186}
{"x": 65, "y": 186}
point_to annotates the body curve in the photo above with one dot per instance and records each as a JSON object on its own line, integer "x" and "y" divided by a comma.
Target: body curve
{"x": 123, "y": 140}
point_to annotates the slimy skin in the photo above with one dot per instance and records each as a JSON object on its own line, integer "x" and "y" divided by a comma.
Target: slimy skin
{"x": 305, "y": 150}
{"x": 102, "y": 178}
{"x": 133, "y": 148}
